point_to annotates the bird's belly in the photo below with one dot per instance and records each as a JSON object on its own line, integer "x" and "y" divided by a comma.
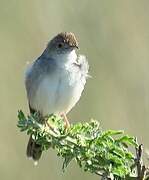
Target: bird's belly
{"x": 57, "y": 94}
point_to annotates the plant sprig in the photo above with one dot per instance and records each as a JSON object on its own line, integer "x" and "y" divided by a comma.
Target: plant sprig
{"x": 105, "y": 153}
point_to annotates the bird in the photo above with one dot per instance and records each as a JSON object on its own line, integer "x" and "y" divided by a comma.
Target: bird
{"x": 54, "y": 82}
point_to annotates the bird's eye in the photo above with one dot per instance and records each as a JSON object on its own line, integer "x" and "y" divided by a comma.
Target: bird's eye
{"x": 60, "y": 45}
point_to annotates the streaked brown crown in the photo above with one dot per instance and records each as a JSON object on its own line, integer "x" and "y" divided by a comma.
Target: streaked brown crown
{"x": 66, "y": 37}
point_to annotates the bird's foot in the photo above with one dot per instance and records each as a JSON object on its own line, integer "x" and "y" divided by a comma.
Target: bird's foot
{"x": 67, "y": 124}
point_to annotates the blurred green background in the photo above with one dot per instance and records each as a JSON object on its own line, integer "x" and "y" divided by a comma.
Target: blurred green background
{"x": 114, "y": 35}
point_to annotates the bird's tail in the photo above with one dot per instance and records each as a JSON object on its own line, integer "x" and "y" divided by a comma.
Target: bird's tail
{"x": 34, "y": 150}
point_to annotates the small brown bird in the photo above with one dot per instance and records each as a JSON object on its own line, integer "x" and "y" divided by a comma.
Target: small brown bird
{"x": 54, "y": 82}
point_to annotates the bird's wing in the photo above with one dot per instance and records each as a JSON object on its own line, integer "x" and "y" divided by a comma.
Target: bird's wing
{"x": 35, "y": 72}
{"x": 29, "y": 84}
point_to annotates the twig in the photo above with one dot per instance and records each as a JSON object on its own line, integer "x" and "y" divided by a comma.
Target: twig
{"x": 141, "y": 169}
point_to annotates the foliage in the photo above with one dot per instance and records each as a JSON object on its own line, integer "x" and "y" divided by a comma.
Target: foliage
{"x": 105, "y": 153}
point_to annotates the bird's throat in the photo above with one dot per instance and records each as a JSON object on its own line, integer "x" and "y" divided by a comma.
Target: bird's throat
{"x": 67, "y": 59}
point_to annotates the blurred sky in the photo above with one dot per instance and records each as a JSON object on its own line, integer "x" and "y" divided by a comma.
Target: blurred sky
{"x": 114, "y": 35}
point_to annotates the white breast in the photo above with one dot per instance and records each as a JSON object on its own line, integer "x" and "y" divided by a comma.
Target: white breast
{"x": 60, "y": 91}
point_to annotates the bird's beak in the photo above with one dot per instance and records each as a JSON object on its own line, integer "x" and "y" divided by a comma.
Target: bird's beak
{"x": 77, "y": 47}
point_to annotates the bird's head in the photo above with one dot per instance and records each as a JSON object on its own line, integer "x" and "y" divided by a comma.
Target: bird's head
{"x": 63, "y": 43}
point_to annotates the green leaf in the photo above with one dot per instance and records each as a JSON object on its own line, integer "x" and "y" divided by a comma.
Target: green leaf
{"x": 128, "y": 140}
{"x": 93, "y": 149}
{"x": 112, "y": 132}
